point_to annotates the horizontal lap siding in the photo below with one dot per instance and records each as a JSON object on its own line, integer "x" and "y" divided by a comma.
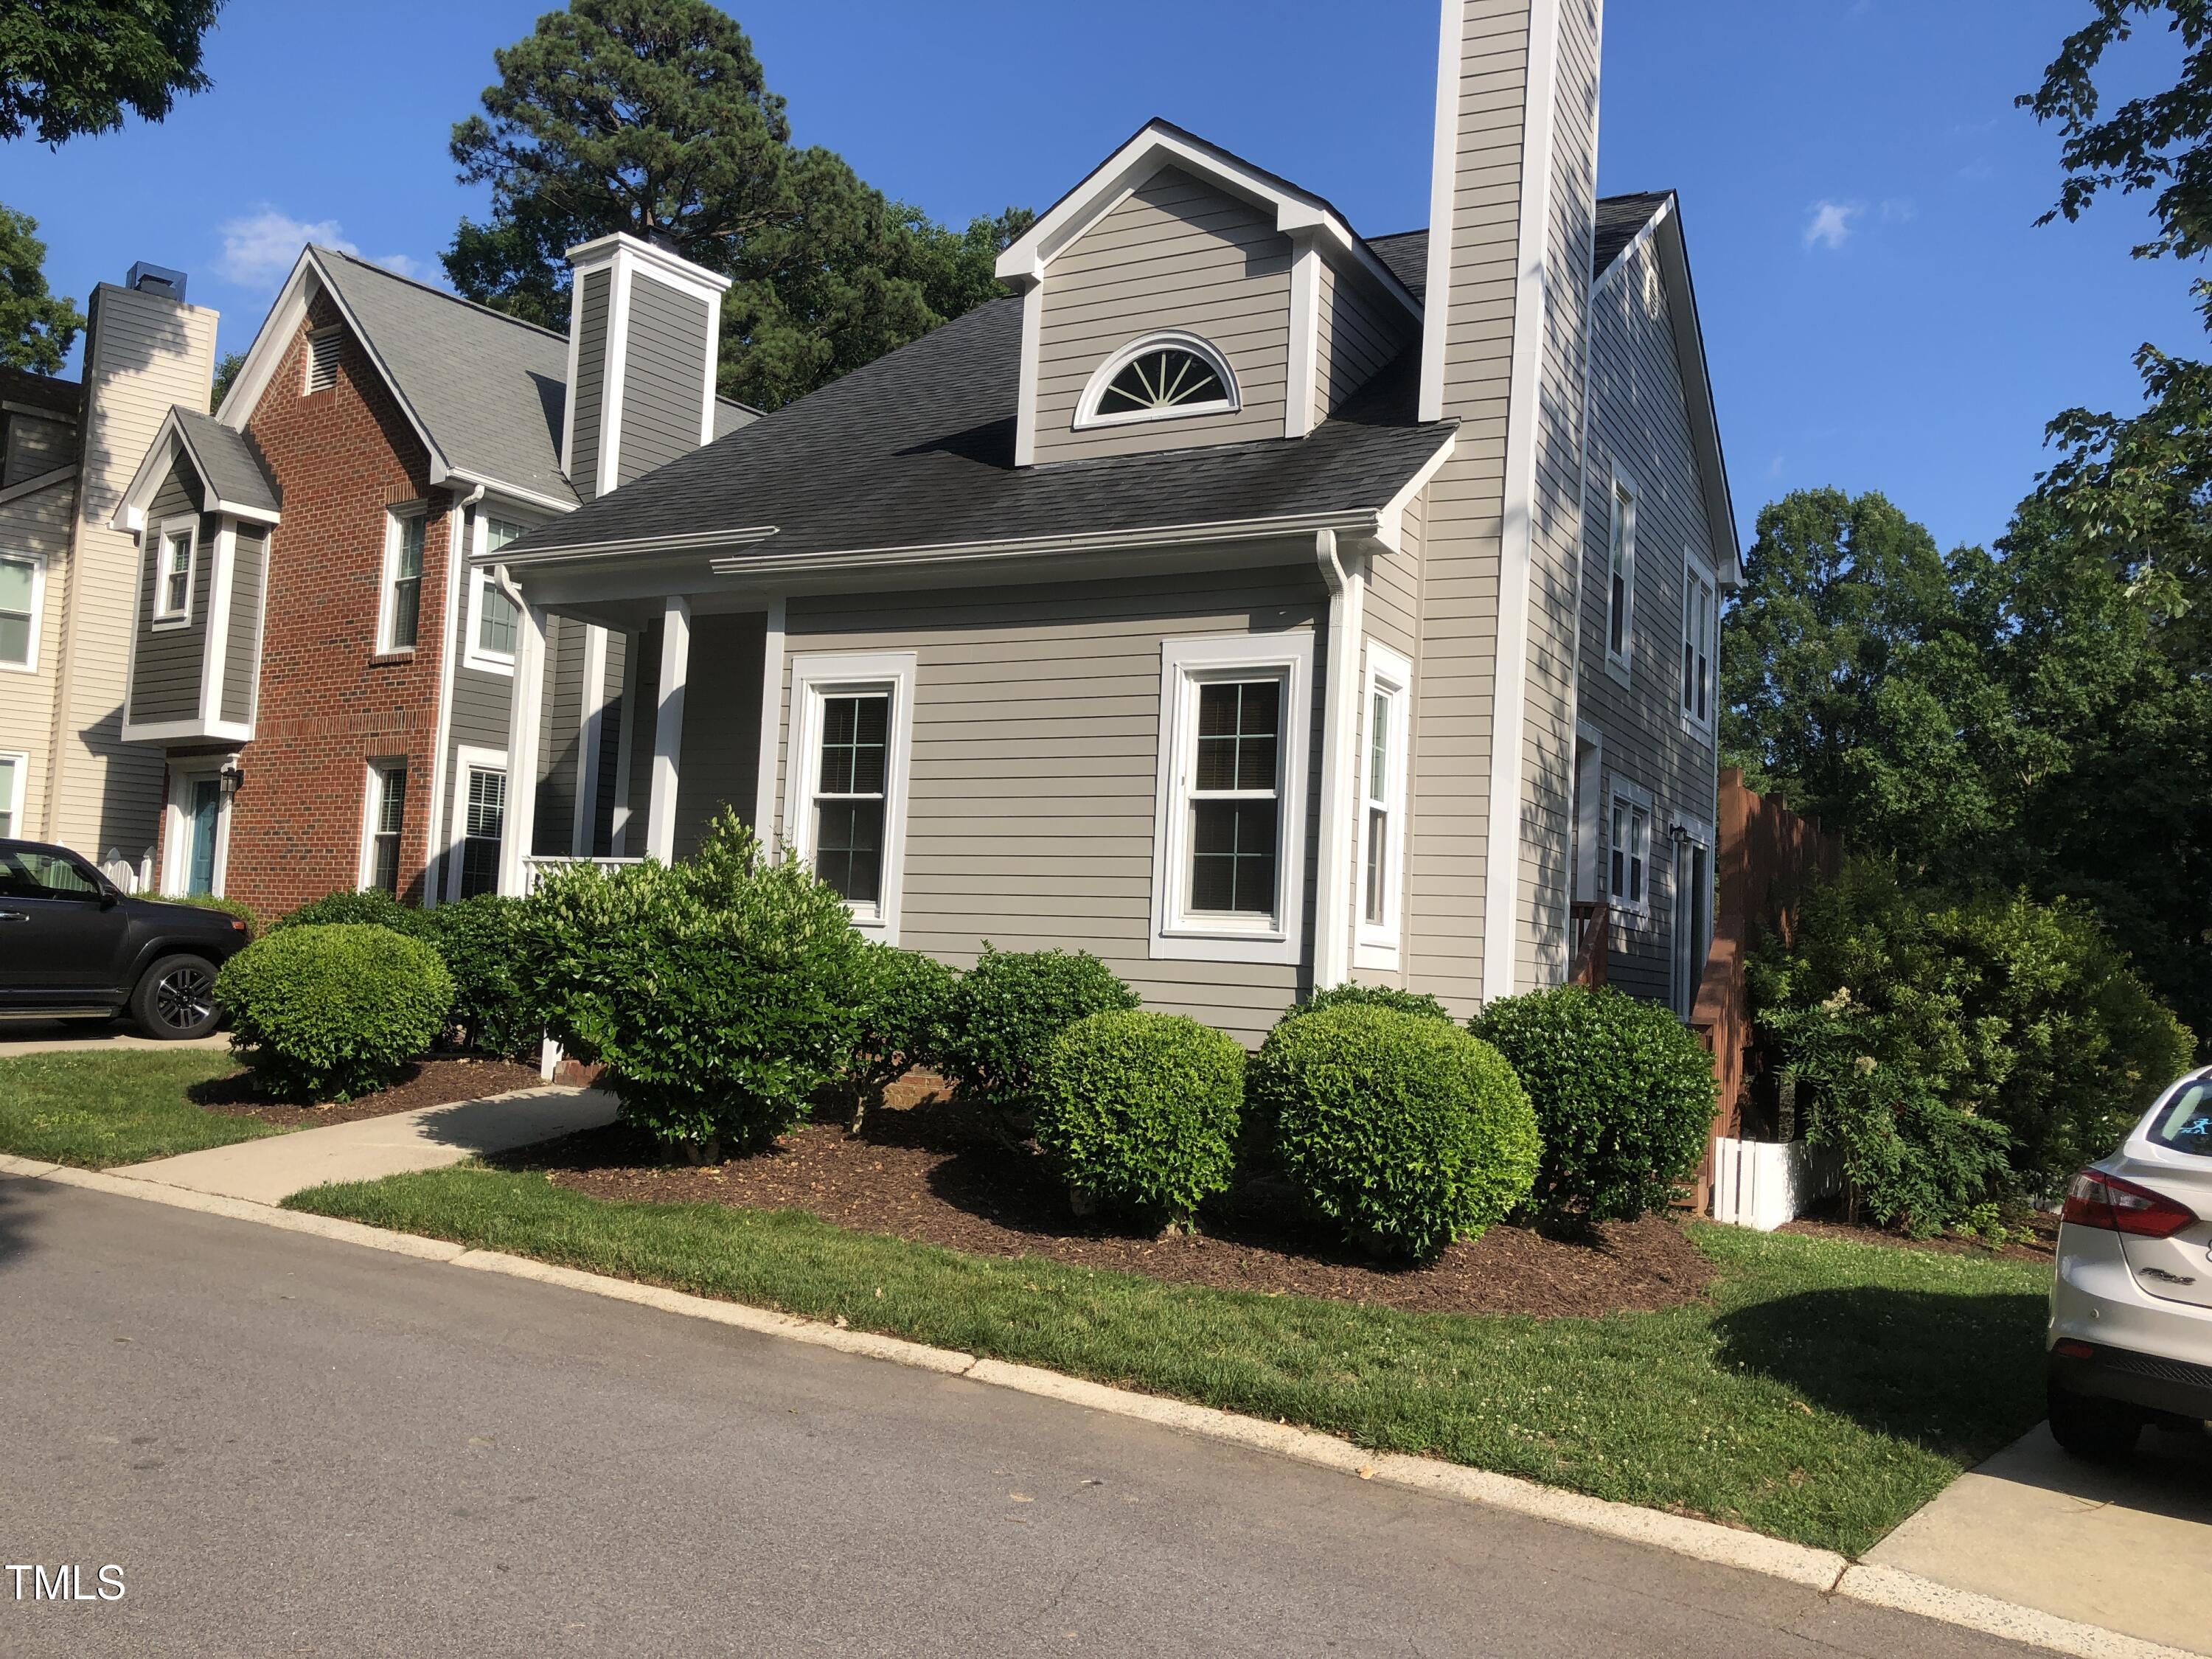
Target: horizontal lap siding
{"x": 241, "y": 657}
{"x": 37, "y": 524}
{"x": 644, "y": 723}
{"x": 1030, "y": 808}
{"x": 1392, "y": 617}
{"x": 165, "y": 682}
{"x": 719, "y": 762}
{"x": 1639, "y": 422}
{"x": 1358, "y": 337}
{"x": 553, "y": 829}
{"x": 664, "y": 386}
{"x": 1177, "y": 254}
{"x": 610, "y": 746}
{"x": 35, "y": 447}
{"x": 591, "y": 383}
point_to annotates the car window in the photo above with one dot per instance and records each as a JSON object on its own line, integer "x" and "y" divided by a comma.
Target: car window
{"x": 2184, "y": 1122}
{"x": 25, "y": 872}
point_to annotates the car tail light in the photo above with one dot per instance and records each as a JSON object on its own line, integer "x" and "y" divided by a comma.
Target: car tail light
{"x": 2094, "y": 1198}
{"x": 2069, "y": 1348}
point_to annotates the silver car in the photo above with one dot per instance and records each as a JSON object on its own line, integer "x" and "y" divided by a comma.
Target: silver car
{"x": 2130, "y": 1337}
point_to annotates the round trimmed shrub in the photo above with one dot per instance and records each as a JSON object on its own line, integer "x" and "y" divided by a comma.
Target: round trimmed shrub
{"x": 903, "y": 1001}
{"x": 1348, "y": 995}
{"x": 1137, "y": 1111}
{"x": 1404, "y": 1130}
{"x": 1624, "y": 1095}
{"x": 371, "y": 907}
{"x": 480, "y": 940}
{"x": 1010, "y": 1005}
{"x": 330, "y": 1011}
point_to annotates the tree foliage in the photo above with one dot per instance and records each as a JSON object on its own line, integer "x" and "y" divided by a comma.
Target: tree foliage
{"x": 654, "y": 117}
{"x": 68, "y": 68}
{"x": 37, "y": 326}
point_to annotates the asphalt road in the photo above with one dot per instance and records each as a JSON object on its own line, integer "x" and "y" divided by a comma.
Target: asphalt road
{"x": 290, "y": 1445}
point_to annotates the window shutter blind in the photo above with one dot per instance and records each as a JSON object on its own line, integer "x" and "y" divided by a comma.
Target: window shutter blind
{"x": 322, "y": 361}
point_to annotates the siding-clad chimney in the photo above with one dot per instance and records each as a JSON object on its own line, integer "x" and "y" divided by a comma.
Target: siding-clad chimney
{"x": 643, "y": 327}
{"x": 1513, "y": 204}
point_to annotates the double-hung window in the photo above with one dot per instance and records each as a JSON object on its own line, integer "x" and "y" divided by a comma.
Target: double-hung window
{"x": 1385, "y": 703}
{"x": 400, "y": 615}
{"x": 21, "y": 581}
{"x": 1629, "y": 849}
{"x": 845, "y": 813}
{"x": 176, "y": 553}
{"x": 1620, "y": 579}
{"x": 492, "y": 615}
{"x": 1229, "y": 866}
{"x": 1699, "y": 622}
{"x": 483, "y": 827}
{"x": 12, "y": 768}
{"x": 387, "y": 812}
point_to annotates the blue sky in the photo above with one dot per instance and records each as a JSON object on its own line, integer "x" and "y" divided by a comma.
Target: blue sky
{"x": 1857, "y": 189}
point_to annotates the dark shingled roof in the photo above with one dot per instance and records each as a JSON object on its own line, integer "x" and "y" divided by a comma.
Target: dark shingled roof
{"x": 916, "y": 450}
{"x": 1619, "y": 219}
{"x": 20, "y": 385}
{"x": 227, "y": 462}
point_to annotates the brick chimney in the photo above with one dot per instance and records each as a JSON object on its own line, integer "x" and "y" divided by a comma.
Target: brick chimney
{"x": 643, "y": 328}
{"x": 1505, "y": 331}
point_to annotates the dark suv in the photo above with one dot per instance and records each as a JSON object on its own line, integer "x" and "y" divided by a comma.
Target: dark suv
{"x": 72, "y": 943}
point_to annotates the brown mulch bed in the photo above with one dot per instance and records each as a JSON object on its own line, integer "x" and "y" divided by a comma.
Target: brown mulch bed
{"x": 934, "y": 1171}
{"x": 2043, "y": 1248}
{"x": 438, "y": 1082}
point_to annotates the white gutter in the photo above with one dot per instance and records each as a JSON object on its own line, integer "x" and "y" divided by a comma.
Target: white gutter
{"x": 1333, "y": 858}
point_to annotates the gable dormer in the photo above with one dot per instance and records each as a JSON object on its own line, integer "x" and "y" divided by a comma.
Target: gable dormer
{"x": 1180, "y": 296}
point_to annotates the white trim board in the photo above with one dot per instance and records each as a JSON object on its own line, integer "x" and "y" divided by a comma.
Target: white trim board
{"x": 814, "y": 675}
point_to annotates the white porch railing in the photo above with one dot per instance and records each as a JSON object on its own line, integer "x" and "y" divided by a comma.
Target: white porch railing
{"x": 1763, "y": 1183}
{"x": 536, "y": 865}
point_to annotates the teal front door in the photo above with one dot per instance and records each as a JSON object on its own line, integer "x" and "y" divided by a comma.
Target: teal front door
{"x": 207, "y": 808}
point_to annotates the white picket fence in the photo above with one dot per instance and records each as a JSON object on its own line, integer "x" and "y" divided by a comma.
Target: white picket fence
{"x": 1760, "y": 1184}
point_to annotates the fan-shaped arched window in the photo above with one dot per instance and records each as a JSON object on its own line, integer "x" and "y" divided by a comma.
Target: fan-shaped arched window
{"x": 1160, "y": 377}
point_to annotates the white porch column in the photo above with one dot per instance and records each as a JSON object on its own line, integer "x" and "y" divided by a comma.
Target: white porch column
{"x": 522, "y": 714}
{"x": 1344, "y": 579}
{"x": 668, "y": 728}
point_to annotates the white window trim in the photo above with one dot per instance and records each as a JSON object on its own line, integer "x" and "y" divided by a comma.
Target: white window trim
{"x": 473, "y": 655}
{"x": 176, "y": 830}
{"x": 1696, "y": 833}
{"x": 1377, "y": 945}
{"x": 1087, "y": 407}
{"x": 471, "y": 757}
{"x": 1178, "y": 935}
{"x": 372, "y": 797}
{"x": 164, "y": 618}
{"x": 19, "y": 787}
{"x": 388, "y": 573}
{"x": 1695, "y": 570}
{"x": 813, "y": 677}
{"x": 1637, "y": 798}
{"x": 38, "y": 563}
{"x": 1622, "y": 496}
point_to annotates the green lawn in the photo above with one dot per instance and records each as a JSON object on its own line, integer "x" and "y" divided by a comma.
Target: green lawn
{"x": 99, "y": 1109}
{"x": 1825, "y": 1392}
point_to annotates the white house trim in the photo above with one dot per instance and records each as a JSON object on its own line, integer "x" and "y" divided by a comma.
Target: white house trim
{"x": 668, "y": 729}
{"x": 163, "y": 618}
{"x": 814, "y": 676}
{"x": 1443, "y": 189}
{"x": 215, "y": 643}
{"x": 1305, "y": 375}
{"x": 522, "y": 739}
{"x": 1025, "y": 402}
{"x": 1379, "y": 945}
{"x": 38, "y": 563}
{"x": 1168, "y": 339}
{"x": 771, "y": 704}
{"x": 1335, "y": 855}
{"x": 470, "y": 757}
{"x": 461, "y": 521}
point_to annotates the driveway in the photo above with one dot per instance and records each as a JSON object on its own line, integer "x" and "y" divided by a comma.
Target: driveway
{"x": 50, "y": 1036}
{"x": 2129, "y": 1547}
{"x": 289, "y": 1444}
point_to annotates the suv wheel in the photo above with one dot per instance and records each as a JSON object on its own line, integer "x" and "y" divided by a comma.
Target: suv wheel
{"x": 2103, "y": 1430}
{"x": 176, "y": 999}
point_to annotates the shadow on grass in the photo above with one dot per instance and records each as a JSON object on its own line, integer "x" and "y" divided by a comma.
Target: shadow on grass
{"x": 1959, "y": 1374}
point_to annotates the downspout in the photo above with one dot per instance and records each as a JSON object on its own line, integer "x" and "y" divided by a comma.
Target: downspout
{"x": 458, "y": 545}
{"x": 1347, "y": 595}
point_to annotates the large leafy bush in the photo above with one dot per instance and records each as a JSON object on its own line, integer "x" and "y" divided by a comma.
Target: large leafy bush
{"x": 1010, "y": 1005}
{"x": 1623, "y": 1091}
{"x": 1137, "y": 1111}
{"x": 481, "y": 940}
{"x": 330, "y": 1011}
{"x": 369, "y": 907}
{"x": 1404, "y": 1130}
{"x": 719, "y": 993}
{"x": 1349, "y": 995}
{"x": 903, "y": 1001}
{"x": 1952, "y": 1048}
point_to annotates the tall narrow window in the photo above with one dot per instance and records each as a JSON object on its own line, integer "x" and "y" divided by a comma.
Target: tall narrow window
{"x": 850, "y": 794}
{"x": 483, "y": 830}
{"x": 1620, "y": 577}
{"x": 1382, "y": 833}
{"x": 12, "y": 767}
{"x": 492, "y": 631}
{"x": 173, "y": 589}
{"x": 1629, "y": 848}
{"x": 1693, "y": 919}
{"x": 402, "y": 581}
{"x": 19, "y": 612}
{"x": 387, "y": 811}
{"x": 1697, "y": 623}
{"x": 1237, "y": 798}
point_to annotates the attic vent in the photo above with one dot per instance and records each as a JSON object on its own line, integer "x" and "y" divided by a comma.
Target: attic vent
{"x": 322, "y": 358}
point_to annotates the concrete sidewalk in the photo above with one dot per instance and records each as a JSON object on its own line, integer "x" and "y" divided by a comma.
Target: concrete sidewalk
{"x": 2127, "y": 1546}
{"x": 429, "y": 1138}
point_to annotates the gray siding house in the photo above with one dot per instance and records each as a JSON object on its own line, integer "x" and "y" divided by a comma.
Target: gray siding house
{"x": 1256, "y": 604}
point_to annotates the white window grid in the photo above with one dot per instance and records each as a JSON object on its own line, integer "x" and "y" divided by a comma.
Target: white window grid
{"x": 1700, "y": 645}
{"x": 1386, "y": 704}
{"x": 1087, "y": 411}
{"x": 22, "y": 604}
{"x": 815, "y": 679}
{"x": 400, "y": 589}
{"x": 1629, "y": 817}
{"x": 175, "y": 576}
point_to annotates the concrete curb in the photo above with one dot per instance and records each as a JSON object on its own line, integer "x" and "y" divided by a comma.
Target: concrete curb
{"x": 1703, "y": 1540}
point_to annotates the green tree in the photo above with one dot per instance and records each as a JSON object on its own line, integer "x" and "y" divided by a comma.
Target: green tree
{"x": 37, "y": 327}
{"x": 226, "y": 371}
{"x": 73, "y": 67}
{"x": 654, "y": 117}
